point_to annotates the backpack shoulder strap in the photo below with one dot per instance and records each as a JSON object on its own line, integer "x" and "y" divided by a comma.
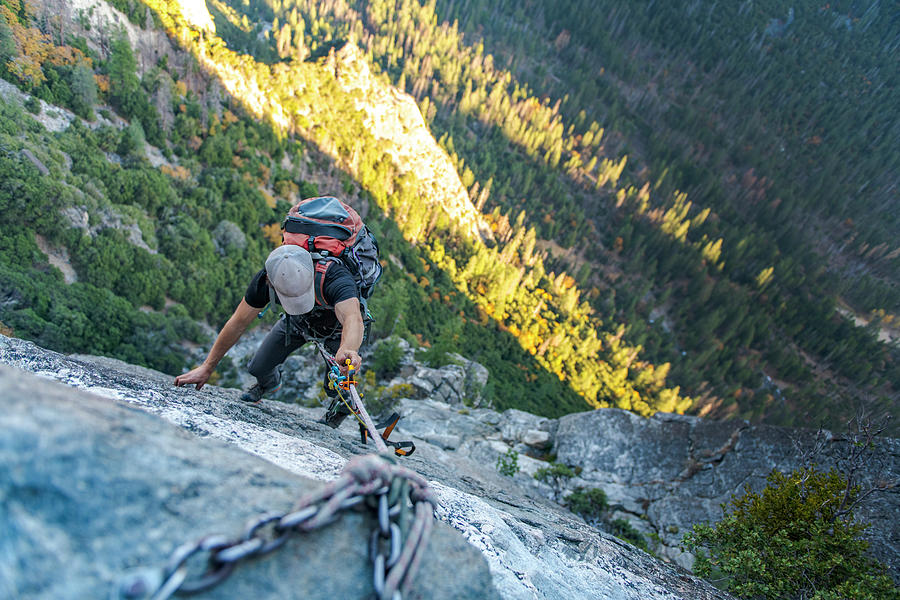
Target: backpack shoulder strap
{"x": 319, "y": 281}
{"x": 270, "y": 304}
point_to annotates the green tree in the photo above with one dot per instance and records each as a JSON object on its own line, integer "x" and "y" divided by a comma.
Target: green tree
{"x": 132, "y": 141}
{"x": 84, "y": 90}
{"x": 7, "y": 41}
{"x": 126, "y": 93}
{"x": 796, "y": 538}
{"x": 124, "y": 85}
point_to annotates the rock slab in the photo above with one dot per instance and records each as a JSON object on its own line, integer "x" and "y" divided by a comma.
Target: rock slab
{"x": 534, "y": 549}
{"x": 91, "y": 489}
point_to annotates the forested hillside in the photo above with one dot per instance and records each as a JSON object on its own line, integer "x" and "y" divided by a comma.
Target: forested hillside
{"x": 720, "y": 180}
{"x": 676, "y": 215}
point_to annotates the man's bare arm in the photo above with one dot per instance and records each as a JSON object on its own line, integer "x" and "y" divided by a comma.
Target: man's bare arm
{"x": 347, "y": 312}
{"x": 230, "y": 334}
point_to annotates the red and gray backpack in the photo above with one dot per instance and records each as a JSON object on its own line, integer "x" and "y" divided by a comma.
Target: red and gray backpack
{"x": 332, "y": 231}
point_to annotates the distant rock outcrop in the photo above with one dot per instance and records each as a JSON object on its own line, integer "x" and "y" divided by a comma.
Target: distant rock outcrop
{"x": 197, "y": 15}
{"x": 392, "y": 116}
{"x": 93, "y": 485}
{"x": 669, "y": 472}
{"x": 104, "y": 22}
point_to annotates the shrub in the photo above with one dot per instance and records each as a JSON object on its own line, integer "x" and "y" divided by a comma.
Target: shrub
{"x": 623, "y": 530}
{"x": 33, "y": 105}
{"x": 380, "y": 400}
{"x": 591, "y": 504}
{"x": 794, "y": 539}
{"x": 508, "y": 464}
{"x": 383, "y": 400}
{"x": 555, "y": 473}
{"x": 556, "y": 476}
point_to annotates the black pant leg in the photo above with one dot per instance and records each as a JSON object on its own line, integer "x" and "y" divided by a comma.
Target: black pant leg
{"x": 272, "y": 352}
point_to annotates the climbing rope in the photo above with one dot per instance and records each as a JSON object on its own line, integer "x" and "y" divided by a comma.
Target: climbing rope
{"x": 395, "y": 545}
{"x": 347, "y": 383}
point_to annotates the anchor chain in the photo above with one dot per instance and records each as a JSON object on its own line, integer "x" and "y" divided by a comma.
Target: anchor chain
{"x": 374, "y": 481}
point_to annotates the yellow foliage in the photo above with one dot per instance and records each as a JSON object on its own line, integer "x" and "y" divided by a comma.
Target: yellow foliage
{"x": 271, "y": 202}
{"x": 7, "y": 331}
{"x": 32, "y": 50}
{"x": 765, "y": 276}
{"x": 176, "y": 172}
{"x": 273, "y": 233}
{"x": 13, "y": 7}
{"x": 102, "y": 82}
{"x": 712, "y": 251}
{"x": 67, "y": 55}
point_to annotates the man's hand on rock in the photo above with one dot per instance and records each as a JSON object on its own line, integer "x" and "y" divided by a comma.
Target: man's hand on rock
{"x": 198, "y": 376}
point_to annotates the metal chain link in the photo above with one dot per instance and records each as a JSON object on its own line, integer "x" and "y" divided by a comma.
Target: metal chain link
{"x": 395, "y": 545}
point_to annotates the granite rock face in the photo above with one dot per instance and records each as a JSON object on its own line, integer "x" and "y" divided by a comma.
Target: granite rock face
{"x": 93, "y": 489}
{"x": 71, "y": 454}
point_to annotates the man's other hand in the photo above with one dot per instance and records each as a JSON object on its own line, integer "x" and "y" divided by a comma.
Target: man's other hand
{"x": 198, "y": 376}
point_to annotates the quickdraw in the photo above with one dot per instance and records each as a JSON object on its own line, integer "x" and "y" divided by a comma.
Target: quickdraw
{"x": 346, "y": 388}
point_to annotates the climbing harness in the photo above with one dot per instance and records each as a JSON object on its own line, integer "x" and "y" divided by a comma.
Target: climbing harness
{"x": 346, "y": 384}
{"x": 395, "y": 545}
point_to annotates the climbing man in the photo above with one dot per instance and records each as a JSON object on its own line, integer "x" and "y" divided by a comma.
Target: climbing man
{"x": 289, "y": 278}
{"x": 322, "y": 276}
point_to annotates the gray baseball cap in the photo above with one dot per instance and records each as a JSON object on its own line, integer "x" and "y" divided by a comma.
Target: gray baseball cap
{"x": 290, "y": 270}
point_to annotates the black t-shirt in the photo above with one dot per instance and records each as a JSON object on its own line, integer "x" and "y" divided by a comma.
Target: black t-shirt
{"x": 338, "y": 286}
